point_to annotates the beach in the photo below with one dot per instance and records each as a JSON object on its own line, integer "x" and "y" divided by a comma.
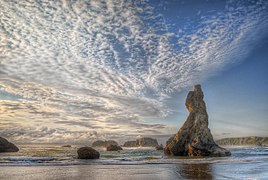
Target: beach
{"x": 55, "y": 162}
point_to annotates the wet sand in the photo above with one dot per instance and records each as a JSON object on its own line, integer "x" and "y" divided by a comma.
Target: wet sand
{"x": 92, "y": 172}
{"x": 137, "y": 172}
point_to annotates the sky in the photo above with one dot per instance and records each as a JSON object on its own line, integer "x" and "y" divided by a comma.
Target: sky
{"x": 78, "y": 71}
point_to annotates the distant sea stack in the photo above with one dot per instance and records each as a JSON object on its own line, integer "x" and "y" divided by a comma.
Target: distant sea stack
{"x": 101, "y": 143}
{"x": 194, "y": 137}
{"x": 6, "y": 146}
{"x": 142, "y": 142}
{"x": 130, "y": 144}
{"x": 244, "y": 141}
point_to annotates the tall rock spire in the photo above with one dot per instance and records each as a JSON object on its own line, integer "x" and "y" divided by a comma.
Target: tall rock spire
{"x": 194, "y": 137}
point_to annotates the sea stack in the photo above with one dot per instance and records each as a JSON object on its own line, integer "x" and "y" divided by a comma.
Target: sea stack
{"x": 194, "y": 137}
{"x": 6, "y": 146}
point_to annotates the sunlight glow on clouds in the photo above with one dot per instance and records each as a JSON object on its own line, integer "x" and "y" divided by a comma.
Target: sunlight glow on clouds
{"x": 95, "y": 69}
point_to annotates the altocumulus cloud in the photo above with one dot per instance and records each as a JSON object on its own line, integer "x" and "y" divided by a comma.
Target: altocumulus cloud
{"x": 95, "y": 69}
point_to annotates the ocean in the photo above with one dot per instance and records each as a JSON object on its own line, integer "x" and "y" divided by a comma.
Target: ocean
{"x": 56, "y": 162}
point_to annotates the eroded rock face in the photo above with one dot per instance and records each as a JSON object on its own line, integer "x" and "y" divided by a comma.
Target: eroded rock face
{"x": 87, "y": 153}
{"x": 6, "y": 146}
{"x": 101, "y": 143}
{"x": 194, "y": 137}
{"x": 113, "y": 148}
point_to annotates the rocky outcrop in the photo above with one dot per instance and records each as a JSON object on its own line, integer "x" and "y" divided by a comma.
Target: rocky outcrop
{"x": 142, "y": 142}
{"x": 100, "y": 143}
{"x": 159, "y": 147}
{"x": 6, "y": 146}
{"x": 244, "y": 141}
{"x": 130, "y": 144}
{"x": 146, "y": 142}
{"x": 194, "y": 137}
{"x": 113, "y": 148}
{"x": 87, "y": 153}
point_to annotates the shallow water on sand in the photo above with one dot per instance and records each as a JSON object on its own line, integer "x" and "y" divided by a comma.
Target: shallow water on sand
{"x": 52, "y": 162}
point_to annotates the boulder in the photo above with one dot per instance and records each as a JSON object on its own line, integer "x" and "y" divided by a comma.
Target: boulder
{"x": 159, "y": 147}
{"x": 194, "y": 137}
{"x": 6, "y": 146}
{"x": 101, "y": 143}
{"x": 87, "y": 153}
{"x": 113, "y": 148}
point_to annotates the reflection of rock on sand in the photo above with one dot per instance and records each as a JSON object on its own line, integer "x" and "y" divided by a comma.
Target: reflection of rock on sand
{"x": 195, "y": 171}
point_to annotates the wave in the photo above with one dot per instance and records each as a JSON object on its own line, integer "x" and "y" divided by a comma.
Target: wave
{"x": 129, "y": 157}
{"x": 27, "y": 159}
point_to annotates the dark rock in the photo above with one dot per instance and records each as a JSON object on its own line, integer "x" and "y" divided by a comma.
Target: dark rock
{"x": 113, "y": 148}
{"x": 194, "y": 137}
{"x": 6, "y": 146}
{"x": 87, "y": 153}
{"x": 100, "y": 143}
{"x": 159, "y": 147}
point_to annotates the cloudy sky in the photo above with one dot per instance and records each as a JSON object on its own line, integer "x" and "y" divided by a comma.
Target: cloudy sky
{"x": 77, "y": 71}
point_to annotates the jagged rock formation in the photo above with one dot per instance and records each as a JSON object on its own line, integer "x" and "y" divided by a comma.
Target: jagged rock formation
{"x": 113, "y": 148}
{"x": 87, "y": 153}
{"x": 244, "y": 141}
{"x": 6, "y": 146}
{"x": 142, "y": 142}
{"x": 194, "y": 137}
{"x": 100, "y": 143}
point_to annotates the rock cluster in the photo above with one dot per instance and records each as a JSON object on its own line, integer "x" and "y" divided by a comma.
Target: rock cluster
{"x": 101, "y": 143}
{"x": 142, "y": 142}
{"x": 130, "y": 144}
{"x": 87, "y": 153}
{"x": 113, "y": 148}
{"x": 146, "y": 142}
{"x": 6, "y": 146}
{"x": 194, "y": 137}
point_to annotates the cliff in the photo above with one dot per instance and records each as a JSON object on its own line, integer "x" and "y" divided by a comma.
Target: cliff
{"x": 244, "y": 141}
